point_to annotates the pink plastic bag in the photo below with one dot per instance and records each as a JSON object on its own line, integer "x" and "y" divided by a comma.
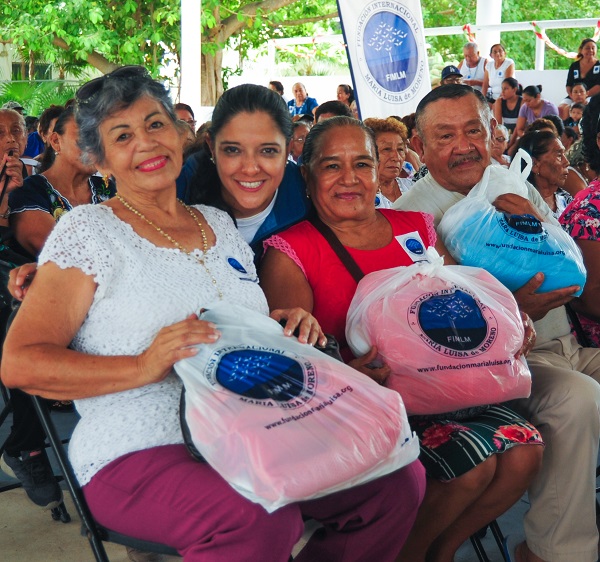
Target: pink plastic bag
{"x": 448, "y": 333}
{"x": 282, "y": 421}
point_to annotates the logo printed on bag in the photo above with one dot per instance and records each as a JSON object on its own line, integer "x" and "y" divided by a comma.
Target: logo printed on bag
{"x": 263, "y": 376}
{"x": 453, "y": 322}
{"x": 525, "y": 228}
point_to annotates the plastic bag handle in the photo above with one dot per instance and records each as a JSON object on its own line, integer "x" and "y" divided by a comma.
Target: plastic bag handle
{"x": 516, "y": 164}
{"x": 511, "y": 184}
{"x": 480, "y": 188}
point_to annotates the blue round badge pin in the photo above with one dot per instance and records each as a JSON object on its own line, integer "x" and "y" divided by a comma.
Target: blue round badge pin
{"x": 415, "y": 246}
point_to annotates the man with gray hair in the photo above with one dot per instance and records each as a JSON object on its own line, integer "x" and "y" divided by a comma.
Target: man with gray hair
{"x": 472, "y": 67}
{"x": 454, "y": 128}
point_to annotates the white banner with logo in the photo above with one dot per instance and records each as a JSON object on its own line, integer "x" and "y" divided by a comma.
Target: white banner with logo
{"x": 386, "y": 54}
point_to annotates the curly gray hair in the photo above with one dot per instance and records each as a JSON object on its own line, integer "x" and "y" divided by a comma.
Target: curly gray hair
{"x": 102, "y": 97}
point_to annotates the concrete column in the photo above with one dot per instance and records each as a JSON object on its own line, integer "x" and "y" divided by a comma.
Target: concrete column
{"x": 489, "y": 12}
{"x": 191, "y": 45}
{"x": 540, "y": 54}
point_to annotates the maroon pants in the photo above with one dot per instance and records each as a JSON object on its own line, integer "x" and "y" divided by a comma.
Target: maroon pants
{"x": 165, "y": 496}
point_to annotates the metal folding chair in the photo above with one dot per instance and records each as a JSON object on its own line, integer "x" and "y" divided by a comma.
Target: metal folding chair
{"x": 498, "y": 537}
{"x": 95, "y": 533}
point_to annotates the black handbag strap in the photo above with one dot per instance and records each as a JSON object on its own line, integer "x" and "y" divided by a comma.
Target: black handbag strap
{"x": 339, "y": 249}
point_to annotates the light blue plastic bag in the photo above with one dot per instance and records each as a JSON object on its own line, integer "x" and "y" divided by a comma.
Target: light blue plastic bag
{"x": 513, "y": 248}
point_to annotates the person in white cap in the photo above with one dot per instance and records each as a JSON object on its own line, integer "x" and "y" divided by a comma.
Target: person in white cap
{"x": 14, "y": 105}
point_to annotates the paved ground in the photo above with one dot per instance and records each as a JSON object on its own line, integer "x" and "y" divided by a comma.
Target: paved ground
{"x": 28, "y": 534}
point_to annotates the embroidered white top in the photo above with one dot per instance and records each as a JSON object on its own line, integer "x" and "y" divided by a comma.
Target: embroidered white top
{"x": 140, "y": 289}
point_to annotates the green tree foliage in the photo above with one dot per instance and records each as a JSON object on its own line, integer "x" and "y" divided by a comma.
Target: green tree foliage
{"x": 106, "y": 34}
{"x": 37, "y": 96}
{"x": 521, "y": 46}
{"x": 245, "y": 25}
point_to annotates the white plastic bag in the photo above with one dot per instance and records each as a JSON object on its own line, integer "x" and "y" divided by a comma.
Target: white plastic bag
{"x": 282, "y": 421}
{"x": 513, "y": 248}
{"x": 448, "y": 333}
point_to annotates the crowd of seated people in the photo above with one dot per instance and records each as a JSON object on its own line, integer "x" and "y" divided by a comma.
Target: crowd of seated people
{"x": 96, "y": 326}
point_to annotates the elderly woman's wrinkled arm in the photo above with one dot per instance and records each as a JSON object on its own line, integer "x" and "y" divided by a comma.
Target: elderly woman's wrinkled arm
{"x": 36, "y": 357}
{"x": 31, "y": 229}
{"x": 286, "y": 286}
{"x": 284, "y": 283}
{"x": 444, "y": 252}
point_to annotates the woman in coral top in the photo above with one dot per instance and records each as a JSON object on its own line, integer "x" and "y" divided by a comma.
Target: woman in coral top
{"x": 468, "y": 485}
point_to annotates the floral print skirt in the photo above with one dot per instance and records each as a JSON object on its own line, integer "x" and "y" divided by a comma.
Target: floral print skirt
{"x": 450, "y": 448}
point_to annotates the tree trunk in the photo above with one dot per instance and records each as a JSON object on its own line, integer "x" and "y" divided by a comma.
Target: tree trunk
{"x": 31, "y": 66}
{"x": 95, "y": 59}
{"x": 212, "y": 81}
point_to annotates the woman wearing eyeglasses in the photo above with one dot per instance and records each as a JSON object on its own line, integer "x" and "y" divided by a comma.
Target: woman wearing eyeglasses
{"x": 300, "y": 130}
{"x": 499, "y": 144}
{"x": 391, "y": 136}
{"x": 114, "y": 305}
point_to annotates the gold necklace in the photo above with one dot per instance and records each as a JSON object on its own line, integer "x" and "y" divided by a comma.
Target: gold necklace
{"x": 195, "y": 218}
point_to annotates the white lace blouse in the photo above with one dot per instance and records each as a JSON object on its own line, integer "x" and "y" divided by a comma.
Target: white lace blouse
{"x": 140, "y": 289}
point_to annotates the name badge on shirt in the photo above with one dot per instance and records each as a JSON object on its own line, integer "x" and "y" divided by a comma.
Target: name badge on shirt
{"x": 240, "y": 270}
{"x": 413, "y": 246}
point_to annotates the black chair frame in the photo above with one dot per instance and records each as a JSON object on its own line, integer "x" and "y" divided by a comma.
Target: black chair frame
{"x": 95, "y": 533}
{"x": 498, "y": 537}
{"x": 58, "y": 513}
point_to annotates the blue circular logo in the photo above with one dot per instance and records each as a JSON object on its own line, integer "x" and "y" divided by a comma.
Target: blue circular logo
{"x": 413, "y": 245}
{"x": 390, "y": 50}
{"x": 524, "y": 223}
{"x": 453, "y": 322}
{"x": 261, "y": 375}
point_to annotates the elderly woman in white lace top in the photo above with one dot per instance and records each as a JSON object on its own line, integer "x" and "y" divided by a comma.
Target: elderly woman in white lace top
{"x": 114, "y": 305}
